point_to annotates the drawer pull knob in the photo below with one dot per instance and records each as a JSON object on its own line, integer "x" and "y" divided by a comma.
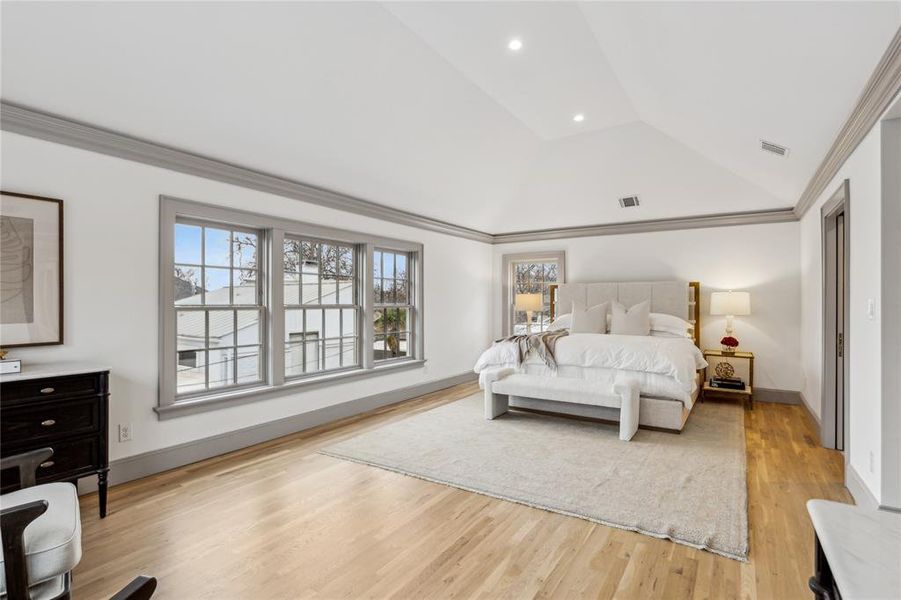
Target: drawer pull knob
{"x": 47, "y": 464}
{"x": 48, "y": 423}
{"x": 47, "y": 390}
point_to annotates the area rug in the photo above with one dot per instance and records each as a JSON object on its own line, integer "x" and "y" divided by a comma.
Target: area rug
{"x": 689, "y": 487}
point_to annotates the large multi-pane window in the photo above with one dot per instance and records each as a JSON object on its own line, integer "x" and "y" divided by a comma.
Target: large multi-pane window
{"x": 250, "y": 303}
{"x": 392, "y": 318}
{"x": 219, "y": 310}
{"x": 321, "y": 306}
{"x": 532, "y": 275}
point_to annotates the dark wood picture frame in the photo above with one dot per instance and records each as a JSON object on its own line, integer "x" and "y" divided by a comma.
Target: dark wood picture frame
{"x": 61, "y": 315}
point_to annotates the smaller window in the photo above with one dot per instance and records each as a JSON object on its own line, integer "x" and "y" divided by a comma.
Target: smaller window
{"x": 392, "y": 321}
{"x": 531, "y": 274}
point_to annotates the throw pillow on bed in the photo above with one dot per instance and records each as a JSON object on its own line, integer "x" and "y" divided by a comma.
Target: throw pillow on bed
{"x": 635, "y": 321}
{"x": 663, "y": 324}
{"x": 561, "y": 322}
{"x": 589, "y": 320}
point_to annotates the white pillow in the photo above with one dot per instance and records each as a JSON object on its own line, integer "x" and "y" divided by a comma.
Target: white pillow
{"x": 635, "y": 321}
{"x": 589, "y": 320}
{"x": 667, "y": 334}
{"x": 672, "y": 324}
{"x": 561, "y": 322}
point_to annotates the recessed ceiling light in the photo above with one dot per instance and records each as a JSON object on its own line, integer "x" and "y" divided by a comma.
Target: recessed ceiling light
{"x": 578, "y": 118}
{"x": 515, "y": 44}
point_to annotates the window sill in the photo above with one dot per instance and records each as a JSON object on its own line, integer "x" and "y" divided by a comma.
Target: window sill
{"x": 263, "y": 392}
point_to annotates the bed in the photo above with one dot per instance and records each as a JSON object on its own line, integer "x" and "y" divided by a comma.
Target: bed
{"x": 666, "y": 369}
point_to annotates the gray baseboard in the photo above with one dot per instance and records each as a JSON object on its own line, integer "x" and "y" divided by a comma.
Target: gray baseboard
{"x": 777, "y": 396}
{"x": 811, "y": 415}
{"x": 164, "y": 459}
{"x": 859, "y": 491}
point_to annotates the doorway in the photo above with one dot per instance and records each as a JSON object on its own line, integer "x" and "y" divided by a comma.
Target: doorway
{"x": 836, "y": 253}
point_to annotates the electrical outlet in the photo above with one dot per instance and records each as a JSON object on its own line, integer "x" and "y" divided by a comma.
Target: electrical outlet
{"x": 124, "y": 432}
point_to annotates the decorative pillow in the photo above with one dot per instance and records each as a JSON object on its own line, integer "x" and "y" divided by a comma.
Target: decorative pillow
{"x": 589, "y": 320}
{"x": 635, "y": 321}
{"x": 663, "y": 323}
{"x": 561, "y": 322}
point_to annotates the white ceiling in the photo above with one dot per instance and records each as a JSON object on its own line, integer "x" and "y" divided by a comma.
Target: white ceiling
{"x": 421, "y": 106}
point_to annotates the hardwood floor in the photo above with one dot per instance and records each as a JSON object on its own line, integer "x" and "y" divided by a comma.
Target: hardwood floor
{"x": 279, "y": 521}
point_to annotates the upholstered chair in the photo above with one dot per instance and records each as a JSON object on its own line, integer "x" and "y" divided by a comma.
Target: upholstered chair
{"x": 41, "y": 530}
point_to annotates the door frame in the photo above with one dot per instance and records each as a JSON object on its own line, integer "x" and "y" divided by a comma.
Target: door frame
{"x": 839, "y": 203}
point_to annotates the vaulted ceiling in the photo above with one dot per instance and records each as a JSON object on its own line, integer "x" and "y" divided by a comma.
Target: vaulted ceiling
{"x": 423, "y": 107}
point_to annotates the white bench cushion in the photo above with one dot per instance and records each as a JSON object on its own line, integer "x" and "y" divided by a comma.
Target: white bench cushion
{"x": 53, "y": 540}
{"x": 561, "y": 389}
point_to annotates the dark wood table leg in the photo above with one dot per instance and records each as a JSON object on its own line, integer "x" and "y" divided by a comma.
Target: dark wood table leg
{"x": 821, "y": 584}
{"x": 101, "y": 490}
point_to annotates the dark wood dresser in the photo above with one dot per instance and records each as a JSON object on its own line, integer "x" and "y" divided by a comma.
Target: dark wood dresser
{"x": 64, "y": 407}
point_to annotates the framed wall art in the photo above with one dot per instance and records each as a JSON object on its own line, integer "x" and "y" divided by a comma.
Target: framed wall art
{"x": 31, "y": 270}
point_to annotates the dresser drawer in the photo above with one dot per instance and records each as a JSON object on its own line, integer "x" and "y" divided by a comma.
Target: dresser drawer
{"x": 35, "y": 420}
{"x": 71, "y": 457}
{"x": 56, "y": 387}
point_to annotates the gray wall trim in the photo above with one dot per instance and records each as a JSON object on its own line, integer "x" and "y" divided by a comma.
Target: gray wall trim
{"x": 839, "y": 203}
{"x": 61, "y": 130}
{"x": 889, "y": 317}
{"x": 53, "y": 128}
{"x": 776, "y": 396}
{"x": 780, "y": 215}
{"x": 164, "y": 459}
{"x": 859, "y": 491}
{"x": 882, "y": 87}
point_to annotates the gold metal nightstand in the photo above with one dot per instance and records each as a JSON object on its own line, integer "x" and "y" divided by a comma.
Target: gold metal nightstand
{"x": 748, "y": 392}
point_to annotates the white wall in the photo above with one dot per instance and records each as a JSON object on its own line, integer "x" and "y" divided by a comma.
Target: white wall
{"x": 863, "y": 170}
{"x": 111, "y": 286}
{"x": 762, "y": 259}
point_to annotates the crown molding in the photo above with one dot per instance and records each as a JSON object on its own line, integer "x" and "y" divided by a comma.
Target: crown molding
{"x": 779, "y": 215}
{"x": 881, "y": 89}
{"x": 53, "y": 128}
{"x": 61, "y": 130}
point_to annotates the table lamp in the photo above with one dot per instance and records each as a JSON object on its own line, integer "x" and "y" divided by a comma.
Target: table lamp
{"x": 730, "y": 304}
{"x": 529, "y": 303}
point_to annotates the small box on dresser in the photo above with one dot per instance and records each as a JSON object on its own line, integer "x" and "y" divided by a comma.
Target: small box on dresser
{"x": 63, "y": 407}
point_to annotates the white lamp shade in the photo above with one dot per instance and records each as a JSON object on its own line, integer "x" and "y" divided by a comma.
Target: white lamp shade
{"x": 730, "y": 303}
{"x": 528, "y": 302}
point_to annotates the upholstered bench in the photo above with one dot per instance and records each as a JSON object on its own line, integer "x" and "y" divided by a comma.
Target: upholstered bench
{"x": 501, "y": 384}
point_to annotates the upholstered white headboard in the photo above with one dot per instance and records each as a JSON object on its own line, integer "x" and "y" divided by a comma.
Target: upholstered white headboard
{"x": 679, "y": 298}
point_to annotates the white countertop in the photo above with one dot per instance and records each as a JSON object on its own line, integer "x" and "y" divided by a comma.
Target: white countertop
{"x": 863, "y": 547}
{"x": 59, "y": 369}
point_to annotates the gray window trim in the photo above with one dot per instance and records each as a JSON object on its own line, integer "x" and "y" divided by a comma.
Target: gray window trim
{"x": 507, "y": 281}
{"x": 274, "y": 230}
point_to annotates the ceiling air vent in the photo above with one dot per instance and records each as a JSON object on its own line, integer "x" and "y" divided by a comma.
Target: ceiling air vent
{"x": 774, "y": 148}
{"x": 628, "y": 202}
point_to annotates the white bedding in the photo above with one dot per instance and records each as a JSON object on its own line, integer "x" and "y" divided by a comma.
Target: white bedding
{"x": 663, "y": 367}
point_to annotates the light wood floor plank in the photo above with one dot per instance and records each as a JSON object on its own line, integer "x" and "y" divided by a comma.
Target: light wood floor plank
{"x": 279, "y": 521}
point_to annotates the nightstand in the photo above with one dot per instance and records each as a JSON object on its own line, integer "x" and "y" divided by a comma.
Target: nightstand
{"x": 747, "y": 393}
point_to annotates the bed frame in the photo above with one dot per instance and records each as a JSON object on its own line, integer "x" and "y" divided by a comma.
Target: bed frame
{"x": 679, "y": 298}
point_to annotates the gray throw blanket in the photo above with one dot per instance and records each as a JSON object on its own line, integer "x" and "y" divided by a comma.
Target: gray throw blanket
{"x": 543, "y": 343}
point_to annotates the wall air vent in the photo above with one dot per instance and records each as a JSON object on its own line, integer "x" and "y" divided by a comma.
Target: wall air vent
{"x": 628, "y": 202}
{"x": 774, "y": 148}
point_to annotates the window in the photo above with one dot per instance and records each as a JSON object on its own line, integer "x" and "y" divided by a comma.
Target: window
{"x": 321, "y": 307}
{"x": 218, "y": 308}
{"x": 530, "y": 274}
{"x": 252, "y": 303}
{"x": 391, "y": 323}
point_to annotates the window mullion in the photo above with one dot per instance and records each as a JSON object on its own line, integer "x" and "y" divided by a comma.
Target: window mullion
{"x": 275, "y": 342}
{"x": 367, "y": 338}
